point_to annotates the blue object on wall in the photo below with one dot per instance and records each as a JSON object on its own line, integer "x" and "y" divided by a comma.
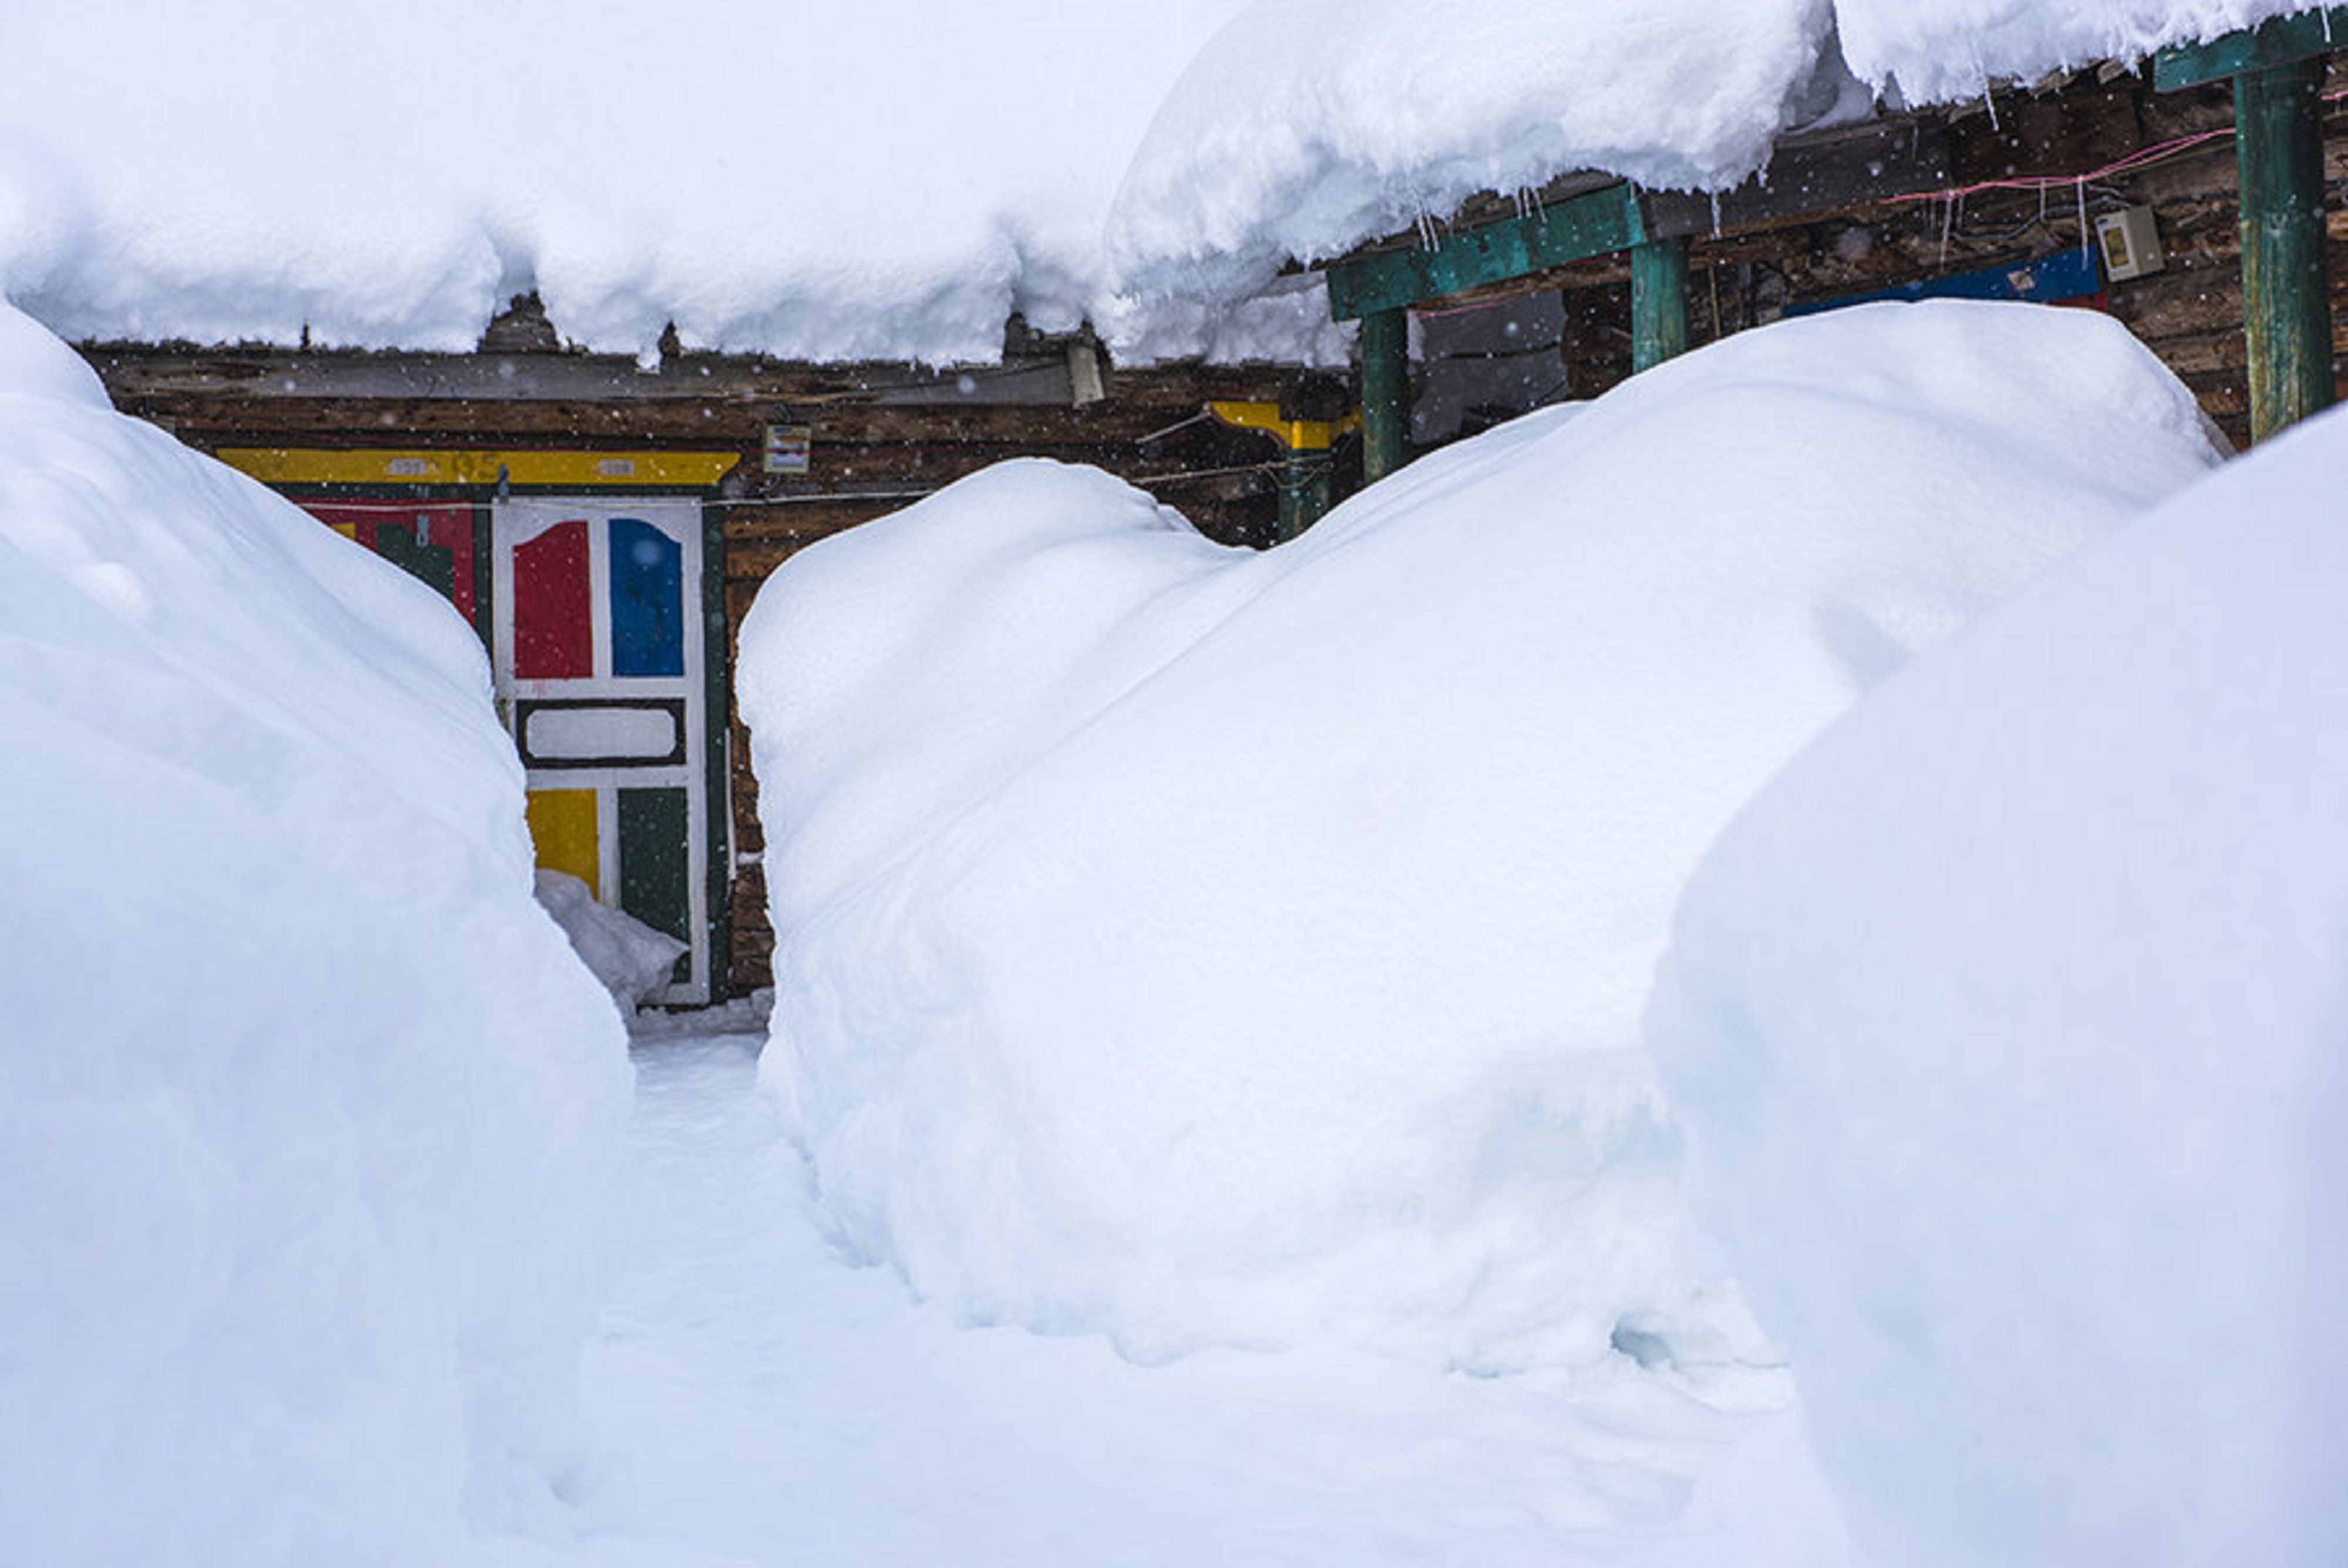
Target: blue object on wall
{"x": 2051, "y": 279}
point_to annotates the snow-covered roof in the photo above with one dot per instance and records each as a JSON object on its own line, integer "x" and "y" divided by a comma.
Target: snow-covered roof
{"x": 1309, "y": 126}
{"x": 886, "y": 179}
{"x": 890, "y": 178}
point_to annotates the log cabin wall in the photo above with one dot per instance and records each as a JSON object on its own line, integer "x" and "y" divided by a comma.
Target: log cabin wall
{"x": 880, "y": 436}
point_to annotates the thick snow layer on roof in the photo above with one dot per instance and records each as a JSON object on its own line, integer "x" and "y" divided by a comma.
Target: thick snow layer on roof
{"x": 2008, "y": 1030}
{"x": 1953, "y": 48}
{"x": 1309, "y": 126}
{"x": 306, "y": 1106}
{"x": 887, "y": 179}
{"x": 1210, "y": 948}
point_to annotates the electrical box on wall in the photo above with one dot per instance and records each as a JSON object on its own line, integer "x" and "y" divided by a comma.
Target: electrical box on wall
{"x": 2130, "y": 239}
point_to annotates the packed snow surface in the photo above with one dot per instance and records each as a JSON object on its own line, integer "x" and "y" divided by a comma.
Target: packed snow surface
{"x": 306, "y": 1109}
{"x": 755, "y": 1399}
{"x": 1220, "y": 949}
{"x": 2008, "y": 1028}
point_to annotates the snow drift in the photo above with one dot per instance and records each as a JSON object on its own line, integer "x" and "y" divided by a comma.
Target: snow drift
{"x": 2008, "y": 1031}
{"x": 631, "y": 958}
{"x": 1210, "y": 948}
{"x": 305, "y": 1106}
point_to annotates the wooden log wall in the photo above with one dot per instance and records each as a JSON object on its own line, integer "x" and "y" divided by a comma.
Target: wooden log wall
{"x": 2190, "y": 314}
{"x": 881, "y": 437}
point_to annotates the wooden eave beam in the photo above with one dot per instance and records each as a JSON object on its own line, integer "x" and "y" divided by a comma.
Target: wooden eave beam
{"x": 1464, "y": 259}
{"x": 1813, "y": 176}
{"x": 132, "y": 370}
{"x": 1809, "y": 177}
{"x": 2279, "y": 42}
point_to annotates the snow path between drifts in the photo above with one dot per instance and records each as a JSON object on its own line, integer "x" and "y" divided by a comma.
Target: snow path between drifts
{"x": 756, "y": 1399}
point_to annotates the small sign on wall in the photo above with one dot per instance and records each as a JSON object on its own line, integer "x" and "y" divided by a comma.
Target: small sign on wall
{"x": 787, "y": 448}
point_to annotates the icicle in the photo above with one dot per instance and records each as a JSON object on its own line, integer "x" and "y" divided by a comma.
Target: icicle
{"x": 2084, "y": 232}
{"x": 1715, "y": 214}
{"x": 1989, "y": 94}
{"x": 1948, "y": 226}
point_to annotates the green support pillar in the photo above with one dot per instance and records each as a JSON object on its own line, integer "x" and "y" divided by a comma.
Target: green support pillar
{"x": 1659, "y": 312}
{"x": 1306, "y": 472}
{"x": 1385, "y": 393}
{"x": 1303, "y": 491}
{"x": 2286, "y": 298}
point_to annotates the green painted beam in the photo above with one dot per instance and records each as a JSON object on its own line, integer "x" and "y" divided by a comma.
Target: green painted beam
{"x": 1659, "y": 312}
{"x": 2281, "y": 42}
{"x": 1596, "y": 224}
{"x": 1385, "y": 393}
{"x": 2286, "y": 297}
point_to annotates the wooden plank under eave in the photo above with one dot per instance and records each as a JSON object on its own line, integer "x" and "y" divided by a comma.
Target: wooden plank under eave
{"x": 1807, "y": 176}
{"x": 2279, "y": 42}
{"x": 1592, "y": 225}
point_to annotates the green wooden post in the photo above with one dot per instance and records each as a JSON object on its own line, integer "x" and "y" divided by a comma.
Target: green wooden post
{"x": 2286, "y": 298}
{"x": 1303, "y": 491}
{"x": 1659, "y": 312}
{"x": 1385, "y": 393}
{"x": 2277, "y": 70}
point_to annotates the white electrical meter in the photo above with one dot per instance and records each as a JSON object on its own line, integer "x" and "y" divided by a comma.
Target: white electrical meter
{"x": 2131, "y": 243}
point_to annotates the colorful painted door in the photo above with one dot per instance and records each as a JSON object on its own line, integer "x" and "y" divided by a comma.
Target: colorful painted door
{"x": 597, "y": 645}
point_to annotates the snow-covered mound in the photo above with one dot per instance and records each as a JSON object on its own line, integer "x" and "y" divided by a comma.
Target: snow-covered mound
{"x": 1306, "y": 127}
{"x": 885, "y": 179}
{"x": 2008, "y": 1027}
{"x": 305, "y": 1106}
{"x": 1203, "y": 946}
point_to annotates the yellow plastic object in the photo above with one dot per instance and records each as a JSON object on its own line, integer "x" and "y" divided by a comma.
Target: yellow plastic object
{"x": 1296, "y": 435}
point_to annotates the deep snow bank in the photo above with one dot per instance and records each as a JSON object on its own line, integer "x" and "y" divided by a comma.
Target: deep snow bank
{"x": 305, "y": 1106}
{"x": 1204, "y": 946}
{"x": 2008, "y": 1027}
